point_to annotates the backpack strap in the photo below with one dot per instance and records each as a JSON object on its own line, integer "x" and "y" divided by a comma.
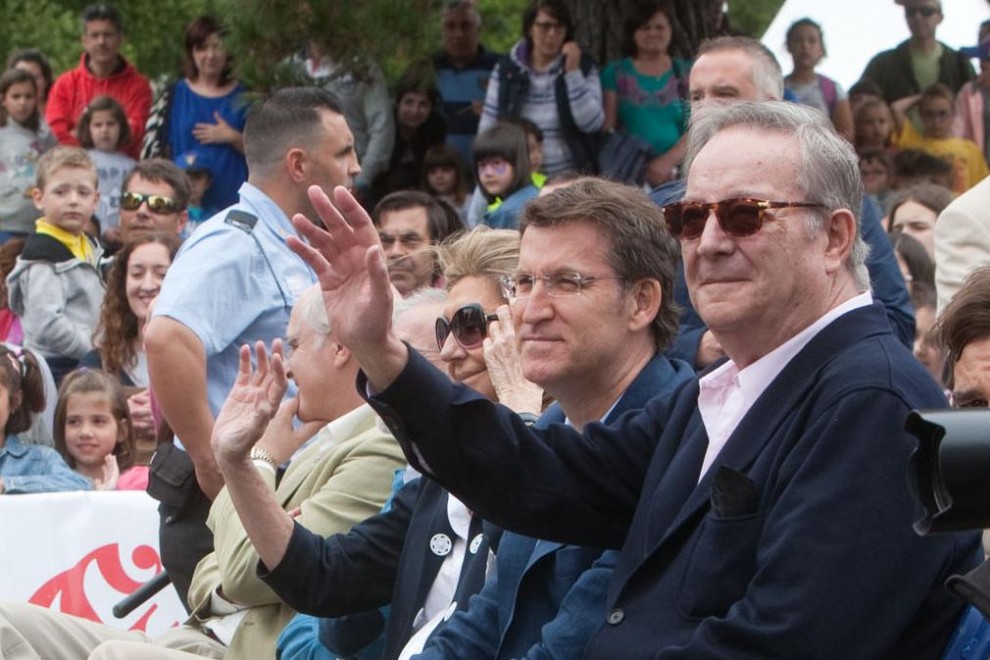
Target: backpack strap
{"x": 829, "y": 93}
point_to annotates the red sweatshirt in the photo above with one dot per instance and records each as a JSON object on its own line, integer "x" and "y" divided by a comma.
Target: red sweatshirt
{"x": 75, "y": 88}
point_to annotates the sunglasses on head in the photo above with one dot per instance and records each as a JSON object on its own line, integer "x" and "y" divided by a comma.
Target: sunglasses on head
{"x": 469, "y": 325}
{"x": 741, "y": 216}
{"x": 131, "y": 201}
{"x": 925, "y": 11}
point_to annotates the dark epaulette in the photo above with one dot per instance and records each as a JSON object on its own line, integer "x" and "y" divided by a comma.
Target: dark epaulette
{"x": 242, "y": 220}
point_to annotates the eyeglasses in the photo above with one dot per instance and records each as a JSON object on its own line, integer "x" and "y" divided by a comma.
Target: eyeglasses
{"x": 548, "y": 26}
{"x": 935, "y": 114}
{"x": 131, "y": 201}
{"x": 469, "y": 325}
{"x": 556, "y": 285}
{"x": 926, "y": 11}
{"x": 737, "y": 217}
{"x": 498, "y": 167}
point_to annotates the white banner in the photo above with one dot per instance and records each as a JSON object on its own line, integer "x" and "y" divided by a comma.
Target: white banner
{"x": 83, "y": 552}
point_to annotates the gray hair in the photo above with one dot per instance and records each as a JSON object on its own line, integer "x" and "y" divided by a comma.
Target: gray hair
{"x": 313, "y": 311}
{"x": 829, "y": 167}
{"x": 767, "y": 74}
{"x": 424, "y": 296}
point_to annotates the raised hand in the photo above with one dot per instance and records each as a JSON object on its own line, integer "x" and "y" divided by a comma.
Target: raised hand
{"x": 111, "y": 473}
{"x": 347, "y": 258}
{"x": 505, "y": 367}
{"x": 251, "y": 403}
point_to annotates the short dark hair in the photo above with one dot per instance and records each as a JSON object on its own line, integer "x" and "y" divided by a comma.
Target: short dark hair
{"x": 160, "y": 169}
{"x": 507, "y": 141}
{"x": 439, "y": 220}
{"x": 287, "y": 118}
{"x": 555, "y": 8}
{"x": 102, "y": 103}
{"x": 639, "y": 245}
{"x": 197, "y": 32}
{"x": 102, "y": 12}
{"x": 34, "y": 56}
{"x": 967, "y": 316}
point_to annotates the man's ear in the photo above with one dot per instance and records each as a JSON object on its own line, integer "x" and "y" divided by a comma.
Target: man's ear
{"x": 644, "y": 299}
{"x": 182, "y": 221}
{"x": 341, "y": 355}
{"x": 296, "y": 164}
{"x": 840, "y": 230}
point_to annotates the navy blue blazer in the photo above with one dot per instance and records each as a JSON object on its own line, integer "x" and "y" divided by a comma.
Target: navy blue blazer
{"x": 546, "y": 599}
{"x": 797, "y": 543}
{"x": 885, "y": 278}
{"x": 386, "y": 559}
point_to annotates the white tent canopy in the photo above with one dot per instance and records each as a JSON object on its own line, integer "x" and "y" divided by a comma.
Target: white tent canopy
{"x": 856, "y": 30}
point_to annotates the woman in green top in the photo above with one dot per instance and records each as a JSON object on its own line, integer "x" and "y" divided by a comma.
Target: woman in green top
{"x": 644, "y": 92}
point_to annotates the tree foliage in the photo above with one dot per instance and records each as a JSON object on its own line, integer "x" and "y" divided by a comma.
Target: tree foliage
{"x": 394, "y": 33}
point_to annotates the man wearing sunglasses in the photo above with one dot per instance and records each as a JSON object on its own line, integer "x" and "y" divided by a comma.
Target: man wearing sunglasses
{"x": 233, "y": 282}
{"x": 765, "y": 514}
{"x": 730, "y": 69}
{"x": 921, "y": 60}
{"x": 154, "y": 197}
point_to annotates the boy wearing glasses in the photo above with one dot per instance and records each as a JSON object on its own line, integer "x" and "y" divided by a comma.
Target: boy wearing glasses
{"x": 920, "y": 61}
{"x": 56, "y": 287}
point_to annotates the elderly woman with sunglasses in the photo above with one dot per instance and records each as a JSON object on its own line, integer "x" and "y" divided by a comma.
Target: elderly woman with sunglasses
{"x": 475, "y": 335}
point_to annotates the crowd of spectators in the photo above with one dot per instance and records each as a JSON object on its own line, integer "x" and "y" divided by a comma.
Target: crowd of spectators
{"x": 154, "y": 273}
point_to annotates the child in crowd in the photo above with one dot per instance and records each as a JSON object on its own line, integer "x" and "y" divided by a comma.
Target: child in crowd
{"x": 11, "y": 330}
{"x": 874, "y": 126}
{"x": 104, "y": 132}
{"x": 24, "y": 137}
{"x": 93, "y": 431}
{"x": 27, "y": 468}
{"x": 877, "y": 171}
{"x": 806, "y": 45}
{"x": 443, "y": 177}
{"x": 200, "y": 179}
{"x": 56, "y": 286}
{"x": 913, "y": 166}
{"x": 937, "y": 138}
{"x": 501, "y": 160}
{"x": 862, "y": 91}
{"x": 914, "y": 211}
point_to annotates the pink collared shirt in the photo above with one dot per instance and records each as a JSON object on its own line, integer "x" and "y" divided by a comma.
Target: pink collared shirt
{"x": 726, "y": 394}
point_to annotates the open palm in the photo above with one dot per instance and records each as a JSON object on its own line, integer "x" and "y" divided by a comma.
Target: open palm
{"x": 251, "y": 403}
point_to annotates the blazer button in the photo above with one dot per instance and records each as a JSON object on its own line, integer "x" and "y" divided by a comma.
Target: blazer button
{"x": 615, "y": 617}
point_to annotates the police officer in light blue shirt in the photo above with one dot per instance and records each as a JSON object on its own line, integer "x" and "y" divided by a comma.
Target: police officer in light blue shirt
{"x": 233, "y": 283}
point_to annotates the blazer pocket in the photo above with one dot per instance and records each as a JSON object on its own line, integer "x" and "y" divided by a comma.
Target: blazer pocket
{"x": 721, "y": 565}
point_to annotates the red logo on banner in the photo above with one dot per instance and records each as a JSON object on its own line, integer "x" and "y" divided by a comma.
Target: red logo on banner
{"x": 69, "y": 587}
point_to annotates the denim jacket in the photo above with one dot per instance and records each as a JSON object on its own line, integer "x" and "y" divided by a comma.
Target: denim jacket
{"x": 34, "y": 469}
